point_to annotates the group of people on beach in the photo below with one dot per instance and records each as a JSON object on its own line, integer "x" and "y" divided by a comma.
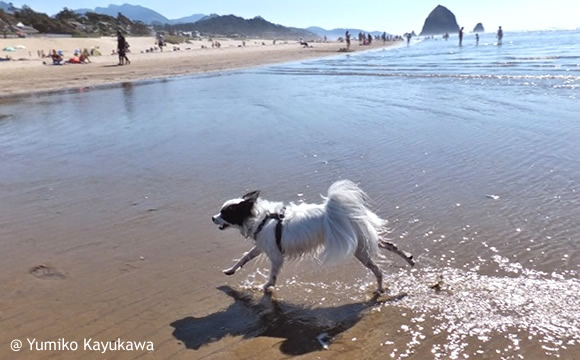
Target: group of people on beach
{"x": 57, "y": 57}
{"x": 367, "y": 39}
{"x": 499, "y": 36}
{"x": 83, "y": 57}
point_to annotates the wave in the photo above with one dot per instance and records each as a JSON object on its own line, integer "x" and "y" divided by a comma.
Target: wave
{"x": 551, "y": 57}
{"x": 326, "y": 72}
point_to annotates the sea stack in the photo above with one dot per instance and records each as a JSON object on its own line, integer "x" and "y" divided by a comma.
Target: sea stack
{"x": 440, "y": 21}
{"x": 478, "y": 28}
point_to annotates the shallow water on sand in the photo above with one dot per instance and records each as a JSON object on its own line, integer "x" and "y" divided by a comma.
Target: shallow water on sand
{"x": 470, "y": 153}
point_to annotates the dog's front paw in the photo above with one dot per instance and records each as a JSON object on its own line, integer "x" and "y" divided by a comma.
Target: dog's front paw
{"x": 229, "y": 271}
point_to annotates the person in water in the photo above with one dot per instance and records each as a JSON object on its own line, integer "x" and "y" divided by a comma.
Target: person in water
{"x": 476, "y": 39}
{"x": 460, "y": 36}
{"x": 499, "y": 35}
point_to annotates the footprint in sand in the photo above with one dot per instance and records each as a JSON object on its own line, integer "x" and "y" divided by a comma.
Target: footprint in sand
{"x": 45, "y": 272}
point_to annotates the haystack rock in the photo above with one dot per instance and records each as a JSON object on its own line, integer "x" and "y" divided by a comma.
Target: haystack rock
{"x": 478, "y": 28}
{"x": 440, "y": 21}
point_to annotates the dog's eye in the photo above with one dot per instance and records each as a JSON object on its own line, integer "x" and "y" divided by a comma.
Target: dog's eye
{"x": 227, "y": 213}
{"x": 236, "y": 213}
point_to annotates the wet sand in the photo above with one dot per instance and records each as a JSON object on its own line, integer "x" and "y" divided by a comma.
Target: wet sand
{"x": 30, "y": 76}
{"x": 100, "y": 252}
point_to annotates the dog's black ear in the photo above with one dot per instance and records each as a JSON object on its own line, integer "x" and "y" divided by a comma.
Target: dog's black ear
{"x": 252, "y": 196}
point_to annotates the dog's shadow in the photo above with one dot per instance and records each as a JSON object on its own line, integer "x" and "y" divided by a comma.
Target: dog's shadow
{"x": 250, "y": 316}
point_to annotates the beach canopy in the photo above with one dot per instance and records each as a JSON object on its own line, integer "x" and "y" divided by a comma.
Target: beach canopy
{"x": 9, "y": 49}
{"x": 20, "y": 47}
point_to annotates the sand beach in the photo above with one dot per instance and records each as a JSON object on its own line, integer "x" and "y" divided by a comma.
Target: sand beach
{"x": 81, "y": 264}
{"x": 28, "y": 75}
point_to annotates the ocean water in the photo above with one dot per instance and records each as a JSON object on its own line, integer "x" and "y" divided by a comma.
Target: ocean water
{"x": 472, "y": 154}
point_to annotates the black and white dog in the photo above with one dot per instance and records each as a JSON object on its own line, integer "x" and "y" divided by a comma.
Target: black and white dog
{"x": 341, "y": 226}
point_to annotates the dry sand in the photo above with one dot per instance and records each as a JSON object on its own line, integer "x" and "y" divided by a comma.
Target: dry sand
{"x": 29, "y": 75}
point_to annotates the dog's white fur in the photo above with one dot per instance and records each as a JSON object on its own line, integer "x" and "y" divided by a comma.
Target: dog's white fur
{"x": 341, "y": 226}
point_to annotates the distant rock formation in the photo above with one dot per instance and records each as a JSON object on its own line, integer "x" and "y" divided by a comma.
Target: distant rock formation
{"x": 478, "y": 28}
{"x": 440, "y": 21}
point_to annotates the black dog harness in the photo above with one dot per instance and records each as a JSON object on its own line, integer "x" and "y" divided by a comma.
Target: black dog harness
{"x": 278, "y": 216}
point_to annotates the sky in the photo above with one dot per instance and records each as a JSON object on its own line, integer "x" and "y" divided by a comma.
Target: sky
{"x": 395, "y": 17}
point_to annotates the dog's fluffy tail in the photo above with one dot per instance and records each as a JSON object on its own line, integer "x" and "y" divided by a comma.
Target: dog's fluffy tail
{"x": 349, "y": 220}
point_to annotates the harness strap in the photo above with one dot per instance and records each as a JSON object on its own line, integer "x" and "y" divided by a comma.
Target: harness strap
{"x": 278, "y": 216}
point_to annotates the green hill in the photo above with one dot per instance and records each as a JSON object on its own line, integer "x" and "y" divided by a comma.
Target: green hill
{"x": 69, "y": 22}
{"x": 230, "y": 25}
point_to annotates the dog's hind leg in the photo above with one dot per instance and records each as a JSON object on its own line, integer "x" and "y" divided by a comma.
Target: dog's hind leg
{"x": 392, "y": 247}
{"x": 363, "y": 256}
{"x": 277, "y": 262}
{"x": 250, "y": 255}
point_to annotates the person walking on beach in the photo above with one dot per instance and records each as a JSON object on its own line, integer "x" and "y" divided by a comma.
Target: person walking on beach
{"x": 499, "y": 35}
{"x": 122, "y": 49}
{"x": 460, "y": 36}
{"x": 476, "y": 39}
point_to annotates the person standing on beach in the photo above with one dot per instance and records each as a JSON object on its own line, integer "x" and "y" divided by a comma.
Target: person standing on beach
{"x": 499, "y": 35}
{"x": 122, "y": 49}
{"x": 347, "y": 37}
{"x": 460, "y": 36}
{"x": 476, "y": 39}
{"x": 161, "y": 42}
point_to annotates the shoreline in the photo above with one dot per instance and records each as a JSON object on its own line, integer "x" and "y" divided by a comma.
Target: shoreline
{"x": 30, "y": 77}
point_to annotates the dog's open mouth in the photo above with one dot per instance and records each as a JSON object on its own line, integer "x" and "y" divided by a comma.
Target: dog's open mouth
{"x": 223, "y": 226}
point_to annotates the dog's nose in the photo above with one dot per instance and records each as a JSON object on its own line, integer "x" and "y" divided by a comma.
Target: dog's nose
{"x": 213, "y": 218}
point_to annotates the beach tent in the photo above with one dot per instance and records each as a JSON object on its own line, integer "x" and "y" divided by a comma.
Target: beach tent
{"x": 9, "y": 49}
{"x": 20, "y": 47}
